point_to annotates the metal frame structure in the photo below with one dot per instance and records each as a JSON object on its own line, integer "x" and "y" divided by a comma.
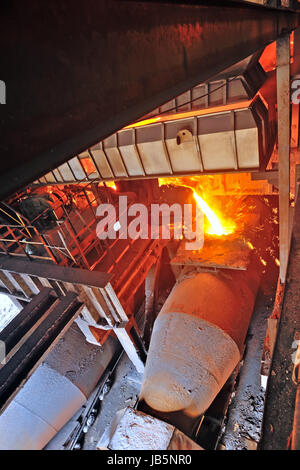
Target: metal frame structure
{"x": 103, "y": 310}
{"x": 283, "y": 108}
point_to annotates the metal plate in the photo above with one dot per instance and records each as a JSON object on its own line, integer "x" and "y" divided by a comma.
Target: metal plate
{"x": 216, "y": 253}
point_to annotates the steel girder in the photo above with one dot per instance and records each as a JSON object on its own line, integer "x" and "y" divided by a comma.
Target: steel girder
{"x": 75, "y": 72}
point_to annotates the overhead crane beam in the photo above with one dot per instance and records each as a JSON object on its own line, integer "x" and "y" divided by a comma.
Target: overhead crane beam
{"x": 75, "y": 72}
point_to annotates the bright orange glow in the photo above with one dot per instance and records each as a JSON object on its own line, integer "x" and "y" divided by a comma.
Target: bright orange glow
{"x": 111, "y": 184}
{"x": 216, "y": 227}
{"x": 187, "y": 114}
{"x": 263, "y": 261}
{"x": 237, "y": 185}
{"x": 108, "y": 184}
{"x": 292, "y": 47}
{"x": 88, "y": 165}
{"x": 268, "y": 57}
{"x": 91, "y": 198}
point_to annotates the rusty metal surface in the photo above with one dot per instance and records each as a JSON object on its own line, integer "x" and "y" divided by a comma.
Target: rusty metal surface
{"x": 77, "y": 72}
{"x": 180, "y": 134}
{"x": 102, "y": 307}
{"x": 234, "y": 137}
{"x": 225, "y": 254}
{"x": 283, "y": 106}
{"x": 54, "y": 272}
{"x": 280, "y": 4}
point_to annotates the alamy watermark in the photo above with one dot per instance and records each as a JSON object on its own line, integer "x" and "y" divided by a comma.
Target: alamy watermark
{"x": 296, "y": 353}
{"x": 2, "y": 352}
{"x": 2, "y": 92}
{"x": 295, "y": 91}
{"x": 164, "y": 221}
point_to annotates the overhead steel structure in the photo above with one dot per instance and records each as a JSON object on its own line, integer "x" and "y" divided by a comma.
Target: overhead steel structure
{"x": 74, "y": 77}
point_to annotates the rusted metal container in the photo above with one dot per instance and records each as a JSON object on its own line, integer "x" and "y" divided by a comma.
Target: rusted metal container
{"x": 197, "y": 340}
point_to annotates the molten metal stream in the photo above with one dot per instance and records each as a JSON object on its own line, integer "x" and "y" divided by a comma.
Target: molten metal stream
{"x": 216, "y": 227}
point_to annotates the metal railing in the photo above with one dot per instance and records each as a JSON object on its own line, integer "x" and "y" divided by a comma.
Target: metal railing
{"x": 66, "y": 241}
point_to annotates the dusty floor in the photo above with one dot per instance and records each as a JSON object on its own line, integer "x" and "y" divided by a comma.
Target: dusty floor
{"x": 124, "y": 392}
{"x": 245, "y": 413}
{"x": 279, "y": 412}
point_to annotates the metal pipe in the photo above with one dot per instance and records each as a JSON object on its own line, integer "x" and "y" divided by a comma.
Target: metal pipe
{"x": 54, "y": 392}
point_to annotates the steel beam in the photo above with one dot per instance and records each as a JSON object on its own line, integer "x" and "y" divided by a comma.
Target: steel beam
{"x": 55, "y": 272}
{"x": 151, "y": 290}
{"x": 283, "y": 109}
{"x": 75, "y": 72}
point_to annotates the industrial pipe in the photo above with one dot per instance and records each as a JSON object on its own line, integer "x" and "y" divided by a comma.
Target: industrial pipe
{"x": 55, "y": 392}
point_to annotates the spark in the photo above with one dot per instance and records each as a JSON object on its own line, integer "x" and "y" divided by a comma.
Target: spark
{"x": 263, "y": 261}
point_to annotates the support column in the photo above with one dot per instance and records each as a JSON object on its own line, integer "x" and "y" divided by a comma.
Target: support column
{"x": 151, "y": 287}
{"x": 129, "y": 348}
{"x": 283, "y": 108}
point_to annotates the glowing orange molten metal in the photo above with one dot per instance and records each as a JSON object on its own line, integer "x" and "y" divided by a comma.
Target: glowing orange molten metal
{"x": 216, "y": 226}
{"x": 111, "y": 184}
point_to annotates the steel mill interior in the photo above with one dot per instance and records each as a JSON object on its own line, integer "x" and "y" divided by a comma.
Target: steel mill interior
{"x": 150, "y": 225}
